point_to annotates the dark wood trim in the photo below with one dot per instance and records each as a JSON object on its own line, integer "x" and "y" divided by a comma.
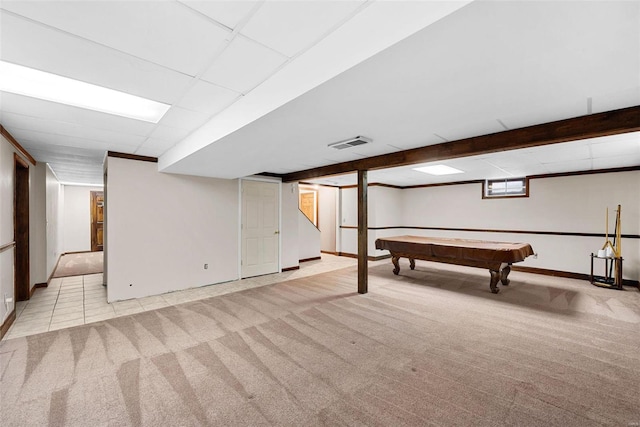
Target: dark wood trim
{"x": 17, "y": 145}
{"x": 589, "y": 172}
{"x": 483, "y": 230}
{"x": 443, "y": 184}
{"x": 76, "y": 252}
{"x": 319, "y": 185}
{"x": 530, "y": 177}
{"x": 590, "y": 126}
{"x": 41, "y": 285}
{"x": 297, "y": 267}
{"x": 310, "y": 259}
{"x": 566, "y": 274}
{"x": 270, "y": 175}
{"x": 7, "y": 246}
{"x": 330, "y": 253}
{"x": 7, "y": 323}
{"x": 363, "y": 233}
{"x": 21, "y": 227}
{"x": 132, "y": 157}
{"x": 373, "y": 184}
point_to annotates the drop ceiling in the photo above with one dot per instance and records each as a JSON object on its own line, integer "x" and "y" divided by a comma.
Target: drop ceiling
{"x": 265, "y": 86}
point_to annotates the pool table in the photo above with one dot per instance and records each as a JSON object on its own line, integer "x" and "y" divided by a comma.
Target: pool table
{"x": 495, "y": 256}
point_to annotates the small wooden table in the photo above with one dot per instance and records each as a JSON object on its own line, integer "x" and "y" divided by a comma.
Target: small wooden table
{"x": 495, "y": 256}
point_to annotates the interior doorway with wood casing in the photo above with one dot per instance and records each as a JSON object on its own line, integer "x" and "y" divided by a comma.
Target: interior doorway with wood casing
{"x": 97, "y": 221}
{"x": 308, "y": 204}
{"x": 21, "y": 229}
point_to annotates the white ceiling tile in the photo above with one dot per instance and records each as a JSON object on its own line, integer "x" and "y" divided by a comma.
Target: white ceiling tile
{"x": 26, "y": 136}
{"x": 289, "y": 27}
{"x": 228, "y": 13}
{"x": 163, "y": 32}
{"x": 18, "y": 121}
{"x": 156, "y": 145}
{"x": 33, "y": 107}
{"x": 561, "y": 153}
{"x": 183, "y": 119}
{"x": 243, "y": 65}
{"x": 28, "y": 43}
{"x": 569, "y": 166}
{"x": 169, "y": 134}
{"x": 620, "y": 145}
{"x": 208, "y": 98}
{"x": 617, "y": 161}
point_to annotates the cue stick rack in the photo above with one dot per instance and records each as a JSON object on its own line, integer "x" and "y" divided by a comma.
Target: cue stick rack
{"x": 612, "y": 279}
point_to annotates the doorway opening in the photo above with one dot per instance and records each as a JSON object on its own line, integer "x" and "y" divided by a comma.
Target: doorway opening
{"x": 21, "y": 229}
{"x": 97, "y": 221}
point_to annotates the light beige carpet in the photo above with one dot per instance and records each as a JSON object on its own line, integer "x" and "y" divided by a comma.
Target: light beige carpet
{"x": 79, "y": 264}
{"x": 430, "y": 347}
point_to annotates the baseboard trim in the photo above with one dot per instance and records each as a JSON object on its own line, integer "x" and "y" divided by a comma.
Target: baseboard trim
{"x": 297, "y": 267}
{"x": 370, "y": 258}
{"x": 566, "y": 274}
{"x": 330, "y": 253}
{"x": 7, "y": 323}
{"x": 41, "y": 285}
{"x": 77, "y": 252}
{"x": 310, "y": 259}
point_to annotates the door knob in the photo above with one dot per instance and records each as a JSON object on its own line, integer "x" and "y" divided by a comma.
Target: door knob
{"x": 276, "y": 232}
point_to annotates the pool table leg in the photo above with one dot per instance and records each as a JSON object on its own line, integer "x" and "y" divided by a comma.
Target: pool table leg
{"x": 503, "y": 275}
{"x": 396, "y": 264}
{"x": 412, "y": 263}
{"x": 495, "y": 276}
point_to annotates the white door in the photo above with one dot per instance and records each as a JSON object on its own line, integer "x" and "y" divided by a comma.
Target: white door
{"x": 260, "y": 228}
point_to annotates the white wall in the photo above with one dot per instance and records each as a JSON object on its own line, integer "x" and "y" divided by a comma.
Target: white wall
{"x": 308, "y": 238}
{"x": 38, "y": 224}
{"x": 77, "y": 218}
{"x": 385, "y": 206}
{"x": 327, "y": 220}
{"x": 566, "y": 204}
{"x": 563, "y": 204}
{"x": 54, "y": 222}
{"x": 163, "y": 228}
{"x": 289, "y": 233}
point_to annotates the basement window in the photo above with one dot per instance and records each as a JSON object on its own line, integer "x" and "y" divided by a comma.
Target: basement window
{"x": 501, "y": 188}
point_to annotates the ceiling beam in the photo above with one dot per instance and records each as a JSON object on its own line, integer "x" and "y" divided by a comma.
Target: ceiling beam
{"x": 583, "y": 127}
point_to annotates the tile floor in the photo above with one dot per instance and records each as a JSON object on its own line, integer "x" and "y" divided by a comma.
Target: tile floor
{"x": 77, "y": 300}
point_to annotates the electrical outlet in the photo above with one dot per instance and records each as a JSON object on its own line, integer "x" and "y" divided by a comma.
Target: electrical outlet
{"x": 206, "y": 266}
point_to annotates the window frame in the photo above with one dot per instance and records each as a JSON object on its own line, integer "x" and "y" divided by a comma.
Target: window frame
{"x": 486, "y": 182}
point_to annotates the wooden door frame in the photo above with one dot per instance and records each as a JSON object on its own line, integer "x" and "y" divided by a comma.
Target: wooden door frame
{"x": 316, "y": 194}
{"x": 21, "y": 275}
{"x": 93, "y": 215}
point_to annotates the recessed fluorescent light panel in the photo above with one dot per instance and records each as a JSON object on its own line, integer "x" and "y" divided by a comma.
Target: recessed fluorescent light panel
{"x": 51, "y": 87}
{"x": 438, "y": 170}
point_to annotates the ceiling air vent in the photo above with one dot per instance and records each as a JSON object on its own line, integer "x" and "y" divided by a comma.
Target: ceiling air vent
{"x": 358, "y": 140}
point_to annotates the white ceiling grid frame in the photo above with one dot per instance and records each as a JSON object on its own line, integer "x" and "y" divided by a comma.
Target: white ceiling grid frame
{"x": 327, "y": 59}
{"x": 85, "y": 60}
{"x": 244, "y": 64}
{"x": 291, "y": 27}
{"x": 167, "y": 33}
{"x": 193, "y": 97}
